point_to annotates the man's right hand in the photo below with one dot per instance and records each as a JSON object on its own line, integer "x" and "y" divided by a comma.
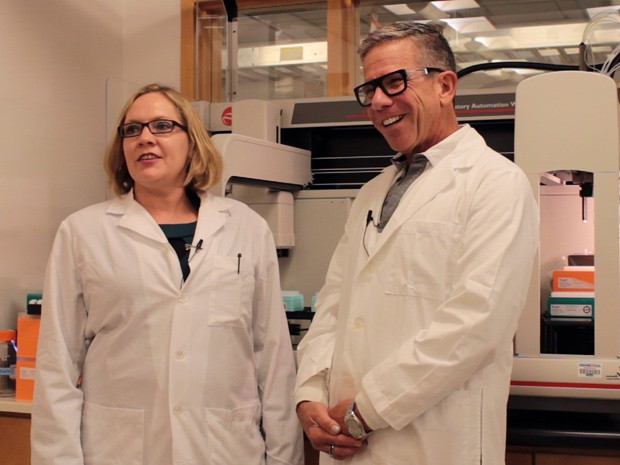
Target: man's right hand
{"x": 324, "y": 433}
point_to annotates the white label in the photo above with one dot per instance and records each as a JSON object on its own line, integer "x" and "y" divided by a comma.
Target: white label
{"x": 26, "y": 373}
{"x": 590, "y": 370}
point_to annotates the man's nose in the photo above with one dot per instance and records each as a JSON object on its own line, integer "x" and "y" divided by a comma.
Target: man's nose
{"x": 380, "y": 99}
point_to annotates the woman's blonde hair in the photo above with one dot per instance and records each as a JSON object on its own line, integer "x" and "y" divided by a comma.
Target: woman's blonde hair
{"x": 204, "y": 168}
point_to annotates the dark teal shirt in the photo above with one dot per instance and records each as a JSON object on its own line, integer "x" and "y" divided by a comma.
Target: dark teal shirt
{"x": 179, "y": 235}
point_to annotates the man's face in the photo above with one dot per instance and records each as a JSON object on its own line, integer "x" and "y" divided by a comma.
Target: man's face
{"x": 411, "y": 121}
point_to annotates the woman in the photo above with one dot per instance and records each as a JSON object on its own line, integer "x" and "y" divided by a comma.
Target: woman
{"x": 163, "y": 336}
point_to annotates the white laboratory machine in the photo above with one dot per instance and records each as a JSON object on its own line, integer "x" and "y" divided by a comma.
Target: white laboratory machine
{"x": 569, "y": 122}
{"x": 260, "y": 171}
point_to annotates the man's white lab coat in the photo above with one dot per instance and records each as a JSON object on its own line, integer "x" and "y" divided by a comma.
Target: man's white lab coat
{"x": 419, "y": 328}
{"x": 171, "y": 372}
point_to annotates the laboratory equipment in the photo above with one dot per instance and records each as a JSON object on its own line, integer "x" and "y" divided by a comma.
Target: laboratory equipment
{"x": 260, "y": 172}
{"x": 569, "y": 122}
{"x": 346, "y": 152}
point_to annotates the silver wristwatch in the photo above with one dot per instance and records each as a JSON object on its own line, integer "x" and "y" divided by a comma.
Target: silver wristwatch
{"x": 354, "y": 424}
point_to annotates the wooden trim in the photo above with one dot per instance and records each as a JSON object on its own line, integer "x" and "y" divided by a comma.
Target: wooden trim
{"x": 188, "y": 50}
{"x": 210, "y": 59}
{"x": 216, "y": 5}
{"x": 342, "y": 37}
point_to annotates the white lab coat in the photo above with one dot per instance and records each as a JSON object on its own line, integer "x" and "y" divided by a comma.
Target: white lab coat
{"x": 171, "y": 372}
{"x": 419, "y": 329}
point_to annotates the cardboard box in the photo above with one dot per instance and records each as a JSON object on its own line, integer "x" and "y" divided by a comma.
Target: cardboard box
{"x": 580, "y": 307}
{"x": 573, "y": 280}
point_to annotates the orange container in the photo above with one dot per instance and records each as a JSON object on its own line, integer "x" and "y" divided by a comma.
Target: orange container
{"x": 27, "y": 335}
{"x": 573, "y": 280}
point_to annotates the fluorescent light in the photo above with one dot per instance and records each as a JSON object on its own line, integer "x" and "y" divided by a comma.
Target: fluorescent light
{"x": 470, "y": 25}
{"x": 454, "y": 5}
{"x": 519, "y": 38}
{"x": 592, "y": 12}
{"x": 549, "y": 52}
{"x": 401, "y": 9}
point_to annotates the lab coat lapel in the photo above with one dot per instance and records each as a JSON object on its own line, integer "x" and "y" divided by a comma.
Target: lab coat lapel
{"x": 134, "y": 217}
{"x": 422, "y": 191}
{"x": 212, "y": 216}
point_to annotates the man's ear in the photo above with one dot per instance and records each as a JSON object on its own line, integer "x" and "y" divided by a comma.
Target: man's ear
{"x": 447, "y": 82}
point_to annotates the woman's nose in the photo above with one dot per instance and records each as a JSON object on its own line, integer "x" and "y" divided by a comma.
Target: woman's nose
{"x": 146, "y": 136}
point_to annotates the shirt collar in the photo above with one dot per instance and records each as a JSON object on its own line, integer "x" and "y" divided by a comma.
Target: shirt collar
{"x": 438, "y": 151}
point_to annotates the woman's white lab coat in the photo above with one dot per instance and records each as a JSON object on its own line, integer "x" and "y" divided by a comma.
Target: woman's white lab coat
{"x": 419, "y": 328}
{"x": 169, "y": 372}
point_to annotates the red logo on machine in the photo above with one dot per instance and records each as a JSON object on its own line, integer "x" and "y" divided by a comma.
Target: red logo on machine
{"x": 227, "y": 116}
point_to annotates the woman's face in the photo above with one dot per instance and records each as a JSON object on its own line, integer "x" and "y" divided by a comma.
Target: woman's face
{"x": 156, "y": 162}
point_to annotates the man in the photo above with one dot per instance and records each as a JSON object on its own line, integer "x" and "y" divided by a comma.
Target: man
{"x": 409, "y": 356}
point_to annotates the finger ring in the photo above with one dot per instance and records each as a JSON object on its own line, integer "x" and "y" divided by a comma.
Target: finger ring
{"x": 331, "y": 451}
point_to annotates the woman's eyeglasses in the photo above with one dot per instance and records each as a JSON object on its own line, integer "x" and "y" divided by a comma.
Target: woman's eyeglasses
{"x": 158, "y": 126}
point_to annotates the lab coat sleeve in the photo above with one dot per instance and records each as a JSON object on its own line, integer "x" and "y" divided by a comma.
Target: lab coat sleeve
{"x": 316, "y": 349}
{"x": 57, "y": 404}
{"x": 275, "y": 363}
{"x": 476, "y": 322}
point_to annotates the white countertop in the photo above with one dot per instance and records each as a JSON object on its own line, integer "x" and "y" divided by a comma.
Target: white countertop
{"x": 10, "y": 405}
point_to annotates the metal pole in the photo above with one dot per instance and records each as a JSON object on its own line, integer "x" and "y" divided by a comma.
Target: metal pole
{"x": 232, "y": 47}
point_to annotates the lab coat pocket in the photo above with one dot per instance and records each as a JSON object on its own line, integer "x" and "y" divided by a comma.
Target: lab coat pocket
{"x": 420, "y": 263}
{"x": 230, "y": 292}
{"x": 234, "y": 436}
{"x": 112, "y": 435}
{"x": 455, "y": 424}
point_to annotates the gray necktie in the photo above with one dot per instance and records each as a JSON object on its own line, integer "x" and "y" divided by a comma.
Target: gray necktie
{"x": 399, "y": 187}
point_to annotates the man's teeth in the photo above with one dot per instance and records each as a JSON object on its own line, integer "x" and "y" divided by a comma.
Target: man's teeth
{"x": 392, "y": 120}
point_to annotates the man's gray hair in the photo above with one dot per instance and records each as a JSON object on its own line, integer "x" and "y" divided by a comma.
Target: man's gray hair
{"x": 434, "y": 49}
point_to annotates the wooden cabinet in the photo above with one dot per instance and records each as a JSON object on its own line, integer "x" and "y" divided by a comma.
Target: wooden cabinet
{"x": 519, "y": 458}
{"x": 549, "y": 456}
{"x": 552, "y": 459}
{"x": 15, "y": 438}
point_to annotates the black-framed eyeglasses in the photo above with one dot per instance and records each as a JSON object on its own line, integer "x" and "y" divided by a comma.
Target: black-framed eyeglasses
{"x": 157, "y": 126}
{"x": 391, "y": 84}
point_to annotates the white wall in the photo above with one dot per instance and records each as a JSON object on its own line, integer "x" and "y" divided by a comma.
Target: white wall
{"x": 64, "y": 68}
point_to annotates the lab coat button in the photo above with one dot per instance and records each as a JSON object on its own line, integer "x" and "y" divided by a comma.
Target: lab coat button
{"x": 179, "y": 354}
{"x": 177, "y": 409}
{"x": 358, "y": 323}
{"x": 183, "y": 298}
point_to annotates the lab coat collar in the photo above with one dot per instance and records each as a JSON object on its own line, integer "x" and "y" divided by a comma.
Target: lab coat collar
{"x": 457, "y": 152}
{"x": 135, "y": 217}
{"x": 213, "y": 213}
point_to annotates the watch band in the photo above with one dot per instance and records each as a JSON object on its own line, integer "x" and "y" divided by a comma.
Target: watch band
{"x": 353, "y": 423}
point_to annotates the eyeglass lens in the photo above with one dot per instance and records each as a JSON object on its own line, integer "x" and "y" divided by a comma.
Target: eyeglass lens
{"x": 391, "y": 84}
{"x": 160, "y": 126}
